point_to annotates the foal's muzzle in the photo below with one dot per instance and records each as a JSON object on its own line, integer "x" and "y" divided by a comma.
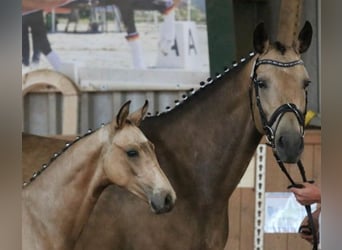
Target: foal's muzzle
{"x": 162, "y": 202}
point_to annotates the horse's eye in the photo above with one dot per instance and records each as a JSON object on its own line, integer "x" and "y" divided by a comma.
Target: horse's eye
{"x": 132, "y": 153}
{"x": 306, "y": 84}
{"x": 261, "y": 84}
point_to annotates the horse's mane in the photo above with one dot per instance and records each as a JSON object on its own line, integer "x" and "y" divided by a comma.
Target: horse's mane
{"x": 57, "y": 154}
{"x": 204, "y": 86}
{"x": 204, "y": 89}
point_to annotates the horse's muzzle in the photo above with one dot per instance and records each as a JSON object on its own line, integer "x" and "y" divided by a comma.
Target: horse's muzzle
{"x": 289, "y": 146}
{"x": 162, "y": 202}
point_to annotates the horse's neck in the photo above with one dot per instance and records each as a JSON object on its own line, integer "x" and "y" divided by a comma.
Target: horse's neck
{"x": 205, "y": 144}
{"x": 62, "y": 197}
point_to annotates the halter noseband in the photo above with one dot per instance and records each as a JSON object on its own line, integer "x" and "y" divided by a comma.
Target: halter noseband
{"x": 277, "y": 115}
{"x": 280, "y": 111}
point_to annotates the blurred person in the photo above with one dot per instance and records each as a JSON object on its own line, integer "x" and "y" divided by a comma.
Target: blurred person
{"x": 73, "y": 17}
{"x": 127, "y": 7}
{"x": 167, "y": 36}
{"x": 307, "y": 195}
{"x": 35, "y": 21}
{"x": 26, "y": 46}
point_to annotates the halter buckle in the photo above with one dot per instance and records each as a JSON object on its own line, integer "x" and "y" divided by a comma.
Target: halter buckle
{"x": 269, "y": 135}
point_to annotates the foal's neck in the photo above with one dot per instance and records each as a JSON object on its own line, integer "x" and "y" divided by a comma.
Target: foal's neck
{"x": 64, "y": 195}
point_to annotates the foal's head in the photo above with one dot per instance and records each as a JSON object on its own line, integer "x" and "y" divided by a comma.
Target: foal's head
{"x": 279, "y": 81}
{"x": 130, "y": 161}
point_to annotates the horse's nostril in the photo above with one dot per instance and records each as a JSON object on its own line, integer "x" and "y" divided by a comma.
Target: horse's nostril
{"x": 154, "y": 206}
{"x": 162, "y": 203}
{"x": 168, "y": 201}
{"x": 281, "y": 141}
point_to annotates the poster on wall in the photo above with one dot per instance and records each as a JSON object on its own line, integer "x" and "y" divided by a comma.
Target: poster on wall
{"x": 124, "y": 34}
{"x": 283, "y": 214}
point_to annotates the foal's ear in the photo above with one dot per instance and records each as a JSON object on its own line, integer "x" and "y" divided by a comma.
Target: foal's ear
{"x": 137, "y": 116}
{"x": 304, "y": 38}
{"x": 122, "y": 115}
{"x": 260, "y": 38}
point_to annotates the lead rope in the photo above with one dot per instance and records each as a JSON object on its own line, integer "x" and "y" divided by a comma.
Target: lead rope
{"x": 296, "y": 185}
{"x": 308, "y": 208}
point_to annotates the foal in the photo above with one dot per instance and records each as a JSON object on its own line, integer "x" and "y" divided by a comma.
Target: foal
{"x": 57, "y": 204}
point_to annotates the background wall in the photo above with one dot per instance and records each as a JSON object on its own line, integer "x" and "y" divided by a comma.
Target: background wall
{"x": 242, "y": 202}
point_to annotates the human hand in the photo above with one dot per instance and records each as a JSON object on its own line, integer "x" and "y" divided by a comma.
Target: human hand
{"x": 308, "y": 194}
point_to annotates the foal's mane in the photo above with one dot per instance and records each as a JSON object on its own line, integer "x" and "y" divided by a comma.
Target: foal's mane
{"x": 57, "y": 154}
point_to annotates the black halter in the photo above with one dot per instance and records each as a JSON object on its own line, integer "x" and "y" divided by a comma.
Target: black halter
{"x": 276, "y": 116}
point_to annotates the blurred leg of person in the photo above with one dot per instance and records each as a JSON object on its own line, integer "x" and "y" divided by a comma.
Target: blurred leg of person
{"x": 167, "y": 28}
{"x": 36, "y": 53}
{"x": 126, "y": 8}
{"x": 167, "y": 31}
{"x": 54, "y": 60}
{"x": 25, "y": 42}
{"x": 137, "y": 52}
{"x": 39, "y": 34}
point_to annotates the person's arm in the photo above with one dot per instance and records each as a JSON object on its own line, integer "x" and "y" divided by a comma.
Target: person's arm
{"x": 307, "y": 195}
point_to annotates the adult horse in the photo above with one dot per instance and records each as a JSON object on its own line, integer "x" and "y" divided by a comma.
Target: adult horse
{"x": 58, "y": 203}
{"x": 204, "y": 145}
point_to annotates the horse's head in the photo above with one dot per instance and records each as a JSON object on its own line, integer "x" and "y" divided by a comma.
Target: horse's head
{"x": 130, "y": 161}
{"x": 278, "y": 92}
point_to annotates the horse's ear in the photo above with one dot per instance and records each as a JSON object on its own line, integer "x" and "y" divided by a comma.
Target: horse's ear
{"x": 260, "y": 38}
{"x": 122, "y": 115}
{"x": 304, "y": 38}
{"x": 137, "y": 116}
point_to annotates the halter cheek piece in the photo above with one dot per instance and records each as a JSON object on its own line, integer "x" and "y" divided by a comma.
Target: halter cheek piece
{"x": 276, "y": 116}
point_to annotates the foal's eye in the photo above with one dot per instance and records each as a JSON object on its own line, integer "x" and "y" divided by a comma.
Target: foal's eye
{"x": 132, "y": 153}
{"x": 306, "y": 84}
{"x": 261, "y": 84}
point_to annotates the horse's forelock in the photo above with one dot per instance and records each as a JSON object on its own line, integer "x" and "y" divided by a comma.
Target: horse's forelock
{"x": 280, "y": 47}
